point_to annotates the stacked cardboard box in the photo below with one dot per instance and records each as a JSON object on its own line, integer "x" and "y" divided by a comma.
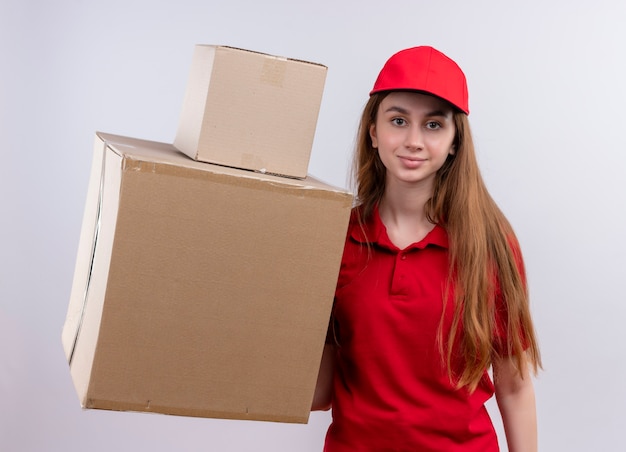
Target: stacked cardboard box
{"x": 250, "y": 110}
{"x": 203, "y": 289}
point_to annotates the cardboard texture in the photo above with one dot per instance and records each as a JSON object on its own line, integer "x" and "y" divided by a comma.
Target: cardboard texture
{"x": 250, "y": 110}
{"x": 201, "y": 290}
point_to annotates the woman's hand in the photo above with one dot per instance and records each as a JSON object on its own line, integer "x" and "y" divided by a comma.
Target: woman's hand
{"x": 324, "y": 389}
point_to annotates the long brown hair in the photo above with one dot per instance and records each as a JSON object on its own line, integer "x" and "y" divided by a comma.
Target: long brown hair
{"x": 483, "y": 247}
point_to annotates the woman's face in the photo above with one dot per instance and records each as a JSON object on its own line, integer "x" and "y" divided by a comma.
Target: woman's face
{"x": 414, "y": 134}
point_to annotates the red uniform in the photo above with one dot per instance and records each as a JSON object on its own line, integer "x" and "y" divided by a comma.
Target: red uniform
{"x": 392, "y": 391}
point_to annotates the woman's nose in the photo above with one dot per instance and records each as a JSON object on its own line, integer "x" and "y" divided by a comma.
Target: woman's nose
{"x": 414, "y": 138}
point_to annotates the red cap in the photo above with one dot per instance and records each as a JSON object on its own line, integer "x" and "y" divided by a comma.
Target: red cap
{"x": 427, "y": 70}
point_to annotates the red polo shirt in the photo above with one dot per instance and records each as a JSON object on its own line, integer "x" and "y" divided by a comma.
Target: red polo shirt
{"x": 391, "y": 388}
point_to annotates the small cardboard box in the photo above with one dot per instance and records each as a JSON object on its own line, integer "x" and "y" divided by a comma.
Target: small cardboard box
{"x": 201, "y": 290}
{"x": 250, "y": 110}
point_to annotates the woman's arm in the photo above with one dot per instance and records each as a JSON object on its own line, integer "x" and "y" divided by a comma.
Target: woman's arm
{"x": 515, "y": 395}
{"x": 324, "y": 389}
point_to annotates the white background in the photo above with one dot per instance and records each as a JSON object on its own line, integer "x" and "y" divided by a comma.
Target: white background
{"x": 547, "y": 97}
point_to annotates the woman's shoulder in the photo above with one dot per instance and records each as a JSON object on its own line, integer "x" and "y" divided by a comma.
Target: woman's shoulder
{"x": 363, "y": 226}
{"x": 357, "y": 249}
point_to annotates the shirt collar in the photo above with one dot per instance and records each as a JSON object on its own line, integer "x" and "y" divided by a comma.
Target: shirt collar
{"x": 374, "y": 232}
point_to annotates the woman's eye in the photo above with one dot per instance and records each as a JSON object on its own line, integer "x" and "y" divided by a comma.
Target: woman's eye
{"x": 398, "y": 121}
{"x": 433, "y": 125}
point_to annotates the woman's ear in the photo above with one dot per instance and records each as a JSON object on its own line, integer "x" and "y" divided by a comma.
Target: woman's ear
{"x": 452, "y": 150}
{"x": 373, "y": 136}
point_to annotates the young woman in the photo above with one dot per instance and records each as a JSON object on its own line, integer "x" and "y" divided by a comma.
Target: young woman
{"x": 431, "y": 292}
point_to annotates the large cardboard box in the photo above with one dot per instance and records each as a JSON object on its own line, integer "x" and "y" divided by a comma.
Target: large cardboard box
{"x": 201, "y": 290}
{"x": 250, "y": 110}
